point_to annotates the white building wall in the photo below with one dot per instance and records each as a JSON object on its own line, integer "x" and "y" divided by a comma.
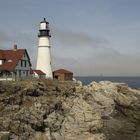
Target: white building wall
{"x": 44, "y": 41}
{"x": 35, "y": 75}
{"x": 44, "y": 57}
{"x": 44, "y": 61}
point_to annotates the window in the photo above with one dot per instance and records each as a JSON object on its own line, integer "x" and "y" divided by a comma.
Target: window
{"x": 23, "y": 63}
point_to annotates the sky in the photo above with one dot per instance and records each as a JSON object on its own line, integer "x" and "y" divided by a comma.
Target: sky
{"x": 89, "y": 37}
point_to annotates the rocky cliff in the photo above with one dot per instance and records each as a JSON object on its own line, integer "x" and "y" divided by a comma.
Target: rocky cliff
{"x": 52, "y": 110}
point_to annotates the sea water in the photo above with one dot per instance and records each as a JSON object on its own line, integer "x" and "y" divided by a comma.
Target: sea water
{"x": 133, "y": 82}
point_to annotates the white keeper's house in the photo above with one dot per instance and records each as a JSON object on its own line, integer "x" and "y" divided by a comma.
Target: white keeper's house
{"x": 14, "y": 64}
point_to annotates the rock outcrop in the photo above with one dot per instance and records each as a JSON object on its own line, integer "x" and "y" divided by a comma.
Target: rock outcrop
{"x": 57, "y": 110}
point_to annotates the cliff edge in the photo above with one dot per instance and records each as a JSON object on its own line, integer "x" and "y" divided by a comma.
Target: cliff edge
{"x": 56, "y": 110}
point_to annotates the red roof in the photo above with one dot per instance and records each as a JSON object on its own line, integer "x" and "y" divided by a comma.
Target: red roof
{"x": 1, "y": 54}
{"x": 11, "y": 58}
{"x": 39, "y": 72}
{"x": 13, "y": 55}
{"x": 10, "y": 66}
{"x": 62, "y": 71}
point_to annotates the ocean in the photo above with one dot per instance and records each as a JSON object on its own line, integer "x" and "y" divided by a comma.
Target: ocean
{"x": 133, "y": 82}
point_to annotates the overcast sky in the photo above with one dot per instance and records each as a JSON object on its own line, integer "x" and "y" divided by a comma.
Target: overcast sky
{"x": 89, "y": 37}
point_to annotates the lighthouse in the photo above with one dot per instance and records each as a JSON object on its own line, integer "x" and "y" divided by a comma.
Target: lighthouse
{"x": 44, "y": 54}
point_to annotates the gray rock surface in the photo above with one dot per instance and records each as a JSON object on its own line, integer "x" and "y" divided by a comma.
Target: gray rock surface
{"x": 57, "y": 110}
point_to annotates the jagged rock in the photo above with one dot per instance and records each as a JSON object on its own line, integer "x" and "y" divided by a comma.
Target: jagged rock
{"x": 116, "y": 105}
{"x": 59, "y": 110}
{"x": 4, "y": 135}
{"x": 79, "y": 121}
{"x": 42, "y": 136}
{"x": 54, "y": 121}
{"x": 78, "y": 86}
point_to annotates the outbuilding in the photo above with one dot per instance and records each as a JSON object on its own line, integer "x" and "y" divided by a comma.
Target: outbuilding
{"x": 62, "y": 74}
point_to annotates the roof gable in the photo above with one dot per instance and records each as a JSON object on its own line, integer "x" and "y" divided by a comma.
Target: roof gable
{"x": 25, "y": 52}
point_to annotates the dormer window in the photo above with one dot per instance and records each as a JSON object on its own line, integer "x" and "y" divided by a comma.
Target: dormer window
{"x": 23, "y": 63}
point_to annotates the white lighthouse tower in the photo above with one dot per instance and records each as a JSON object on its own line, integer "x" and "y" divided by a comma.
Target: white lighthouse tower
{"x": 44, "y": 55}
